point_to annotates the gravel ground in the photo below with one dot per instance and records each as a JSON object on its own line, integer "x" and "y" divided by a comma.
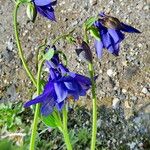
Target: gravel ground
{"x": 123, "y": 81}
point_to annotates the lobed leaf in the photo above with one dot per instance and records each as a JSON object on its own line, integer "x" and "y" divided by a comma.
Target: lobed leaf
{"x": 89, "y": 22}
{"x": 49, "y": 121}
{"x": 53, "y": 120}
{"x": 94, "y": 32}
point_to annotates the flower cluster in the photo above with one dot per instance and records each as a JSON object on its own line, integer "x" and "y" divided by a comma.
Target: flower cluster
{"x": 111, "y": 34}
{"x": 61, "y": 85}
{"x": 45, "y": 8}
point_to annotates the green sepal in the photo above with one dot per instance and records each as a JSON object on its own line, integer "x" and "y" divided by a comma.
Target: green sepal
{"x": 24, "y": 1}
{"x": 42, "y": 84}
{"x": 94, "y": 32}
{"x": 57, "y": 117}
{"x": 49, "y": 54}
{"x": 89, "y": 22}
{"x": 49, "y": 121}
{"x": 53, "y": 120}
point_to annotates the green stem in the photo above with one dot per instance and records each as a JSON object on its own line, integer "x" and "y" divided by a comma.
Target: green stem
{"x": 94, "y": 122}
{"x": 58, "y": 38}
{"x": 39, "y": 49}
{"x": 86, "y": 39}
{"x": 37, "y": 110}
{"x": 19, "y": 45}
{"x": 61, "y": 37}
{"x": 65, "y": 129}
{"x": 94, "y": 101}
{"x": 34, "y": 127}
{"x": 37, "y": 84}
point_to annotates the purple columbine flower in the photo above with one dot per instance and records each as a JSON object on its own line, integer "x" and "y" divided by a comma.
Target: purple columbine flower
{"x": 45, "y": 8}
{"x": 61, "y": 85}
{"x": 111, "y": 34}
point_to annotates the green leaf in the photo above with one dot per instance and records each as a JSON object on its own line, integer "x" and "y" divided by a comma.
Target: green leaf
{"x": 73, "y": 138}
{"x": 95, "y": 33}
{"x": 6, "y": 144}
{"x": 24, "y": 1}
{"x": 83, "y": 135}
{"x": 49, "y": 54}
{"x": 2, "y": 106}
{"x": 89, "y": 22}
{"x": 18, "y": 121}
{"x": 57, "y": 117}
{"x": 53, "y": 120}
{"x": 49, "y": 121}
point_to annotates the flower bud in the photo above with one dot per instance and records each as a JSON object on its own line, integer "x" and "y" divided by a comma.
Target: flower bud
{"x": 83, "y": 50}
{"x": 31, "y": 12}
{"x": 111, "y": 22}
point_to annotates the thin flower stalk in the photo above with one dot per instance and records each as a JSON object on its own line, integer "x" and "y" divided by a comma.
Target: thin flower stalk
{"x": 20, "y": 51}
{"x": 37, "y": 110}
{"x": 94, "y": 99}
{"x": 65, "y": 128}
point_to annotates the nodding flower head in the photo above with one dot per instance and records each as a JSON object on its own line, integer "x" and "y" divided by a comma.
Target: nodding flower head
{"x": 111, "y": 34}
{"x": 45, "y": 8}
{"x": 62, "y": 84}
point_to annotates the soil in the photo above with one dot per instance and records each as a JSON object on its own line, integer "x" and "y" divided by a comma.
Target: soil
{"x": 127, "y": 86}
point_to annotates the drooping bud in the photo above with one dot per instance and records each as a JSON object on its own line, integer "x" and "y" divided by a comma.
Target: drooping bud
{"x": 83, "y": 50}
{"x": 31, "y": 12}
{"x": 110, "y": 22}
